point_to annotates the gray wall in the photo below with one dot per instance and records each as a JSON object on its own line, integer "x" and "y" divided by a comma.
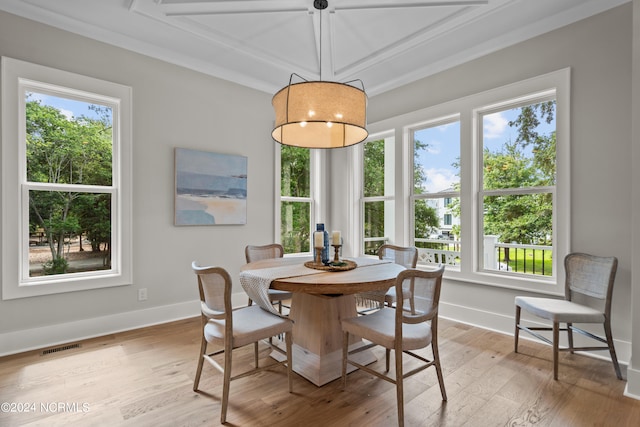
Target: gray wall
{"x": 172, "y": 107}
{"x": 598, "y": 50}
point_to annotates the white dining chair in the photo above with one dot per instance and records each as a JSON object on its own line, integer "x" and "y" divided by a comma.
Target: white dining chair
{"x": 228, "y": 329}
{"x": 588, "y": 292}
{"x": 402, "y": 329}
{"x": 259, "y": 252}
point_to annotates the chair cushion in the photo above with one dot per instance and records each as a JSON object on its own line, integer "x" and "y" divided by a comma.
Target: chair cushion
{"x": 380, "y": 328}
{"x": 559, "y": 310}
{"x": 250, "y": 324}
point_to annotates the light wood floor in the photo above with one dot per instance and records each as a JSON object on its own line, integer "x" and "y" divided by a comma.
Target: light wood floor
{"x": 144, "y": 378}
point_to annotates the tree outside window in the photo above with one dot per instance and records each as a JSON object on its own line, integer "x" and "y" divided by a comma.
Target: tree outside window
{"x": 68, "y": 154}
{"x": 295, "y": 199}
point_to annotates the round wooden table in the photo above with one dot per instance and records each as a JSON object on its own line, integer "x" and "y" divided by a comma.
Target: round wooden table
{"x": 320, "y": 301}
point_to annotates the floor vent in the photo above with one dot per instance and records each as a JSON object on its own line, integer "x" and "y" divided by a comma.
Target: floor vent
{"x": 57, "y": 349}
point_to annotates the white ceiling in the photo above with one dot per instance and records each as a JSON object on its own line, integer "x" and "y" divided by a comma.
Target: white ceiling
{"x": 260, "y": 43}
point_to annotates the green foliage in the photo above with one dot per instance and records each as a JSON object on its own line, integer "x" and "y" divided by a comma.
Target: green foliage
{"x": 68, "y": 151}
{"x": 55, "y": 266}
{"x": 294, "y": 182}
{"x": 521, "y": 218}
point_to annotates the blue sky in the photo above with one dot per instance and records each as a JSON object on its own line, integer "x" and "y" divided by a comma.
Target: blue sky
{"x": 69, "y": 107}
{"x": 444, "y": 146}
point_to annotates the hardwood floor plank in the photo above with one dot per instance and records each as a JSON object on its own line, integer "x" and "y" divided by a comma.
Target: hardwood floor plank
{"x": 145, "y": 378}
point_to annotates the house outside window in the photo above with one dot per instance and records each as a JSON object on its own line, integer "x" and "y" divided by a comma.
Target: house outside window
{"x": 436, "y": 159}
{"x": 488, "y": 183}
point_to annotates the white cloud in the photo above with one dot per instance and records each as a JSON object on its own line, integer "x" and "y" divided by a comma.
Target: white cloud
{"x": 439, "y": 179}
{"x": 494, "y": 125}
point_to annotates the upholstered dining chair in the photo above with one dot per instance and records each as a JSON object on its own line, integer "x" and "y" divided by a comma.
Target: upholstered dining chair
{"x": 407, "y": 256}
{"x": 402, "y": 330}
{"x": 274, "y": 250}
{"x": 228, "y": 329}
{"x": 588, "y": 292}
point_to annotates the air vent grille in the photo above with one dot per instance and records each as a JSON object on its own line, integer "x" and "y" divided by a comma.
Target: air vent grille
{"x": 58, "y": 349}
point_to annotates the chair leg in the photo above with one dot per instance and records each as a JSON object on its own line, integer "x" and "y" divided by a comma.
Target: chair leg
{"x": 399, "y": 386}
{"x": 250, "y": 302}
{"x": 516, "y": 333}
{"x": 255, "y": 352}
{"x": 612, "y": 350}
{"x": 570, "y": 337}
{"x": 556, "y": 336}
{"x": 203, "y": 350}
{"x": 387, "y": 354}
{"x": 345, "y": 353}
{"x": 436, "y": 359}
{"x": 288, "y": 340}
{"x": 225, "y": 384}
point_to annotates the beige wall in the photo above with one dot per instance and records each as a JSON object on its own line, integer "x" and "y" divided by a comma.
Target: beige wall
{"x": 174, "y": 107}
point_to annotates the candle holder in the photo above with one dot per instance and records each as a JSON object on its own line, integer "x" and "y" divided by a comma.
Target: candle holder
{"x": 336, "y": 257}
{"x": 318, "y": 259}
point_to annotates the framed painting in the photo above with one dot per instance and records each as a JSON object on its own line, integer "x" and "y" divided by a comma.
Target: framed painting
{"x": 210, "y": 188}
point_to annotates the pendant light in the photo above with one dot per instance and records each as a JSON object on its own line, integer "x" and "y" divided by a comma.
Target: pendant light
{"x": 320, "y": 114}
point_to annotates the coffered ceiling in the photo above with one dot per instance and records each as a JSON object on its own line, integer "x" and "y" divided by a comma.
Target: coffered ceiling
{"x": 260, "y": 43}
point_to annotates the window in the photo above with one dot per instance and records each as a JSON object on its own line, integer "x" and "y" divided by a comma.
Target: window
{"x": 487, "y": 184}
{"x": 66, "y": 149}
{"x": 518, "y": 185}
{"x": 297, "y": 208}
{"x": 378, "y": 194}
{"x": 436, "y": 172}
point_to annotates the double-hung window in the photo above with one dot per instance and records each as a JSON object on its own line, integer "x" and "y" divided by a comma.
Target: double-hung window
{"x": 296, "y": 211}
{"x": 67, "y": 184}
{"x": 436, "y": 191}
{"x": 487, "y": 184}
{"x": 377, "y": 200}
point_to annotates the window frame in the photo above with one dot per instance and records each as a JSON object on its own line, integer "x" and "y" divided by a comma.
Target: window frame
{"x": 390, "y": 232}
{"x": 469, "y": 109}
{"x": 19, "y": 77}
{"x": 316, "y": 162}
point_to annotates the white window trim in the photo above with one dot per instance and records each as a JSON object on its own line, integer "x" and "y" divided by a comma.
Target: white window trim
{"x": 15, "y": 76}
{"x": 389, "y": 169}
{"x": 469, "y": 170}
{"x": 317, "y": 160}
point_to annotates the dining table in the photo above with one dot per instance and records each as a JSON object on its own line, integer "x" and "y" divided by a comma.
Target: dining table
{"x": 321, "y": 298}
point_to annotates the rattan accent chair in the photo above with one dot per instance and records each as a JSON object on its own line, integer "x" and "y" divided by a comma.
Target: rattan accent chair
{"x": 228, "y": 329}
{"x": 407, "y": 256}
{"x": 274, "y": 250}
{"x": 588, "y": 283}
{"x": 401, "y": 329}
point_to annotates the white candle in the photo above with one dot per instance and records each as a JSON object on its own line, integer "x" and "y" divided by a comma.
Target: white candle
{"x": 318, "y": 239}
{"x": 335, "y": 238}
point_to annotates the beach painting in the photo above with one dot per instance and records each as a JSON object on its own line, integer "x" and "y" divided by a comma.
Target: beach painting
{"x": 211, "y": 188}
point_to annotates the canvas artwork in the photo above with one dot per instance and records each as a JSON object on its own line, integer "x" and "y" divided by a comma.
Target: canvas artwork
{"x": 211, "y": 188}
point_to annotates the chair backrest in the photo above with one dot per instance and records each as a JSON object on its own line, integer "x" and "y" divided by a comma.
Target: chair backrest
{"x": 423, "y": 306}
{"x": 590, "y": 275}
{"x": 406, "y": 256}
{"x": 214, "y": 286}
{"x": 256, "y": 253}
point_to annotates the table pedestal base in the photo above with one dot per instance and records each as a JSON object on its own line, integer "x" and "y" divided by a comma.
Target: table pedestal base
{"x": 317, "y": 336}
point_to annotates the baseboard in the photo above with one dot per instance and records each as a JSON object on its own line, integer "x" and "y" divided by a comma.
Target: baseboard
{"x": 632, "y": 389}
{"x": 52, "y": 335}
